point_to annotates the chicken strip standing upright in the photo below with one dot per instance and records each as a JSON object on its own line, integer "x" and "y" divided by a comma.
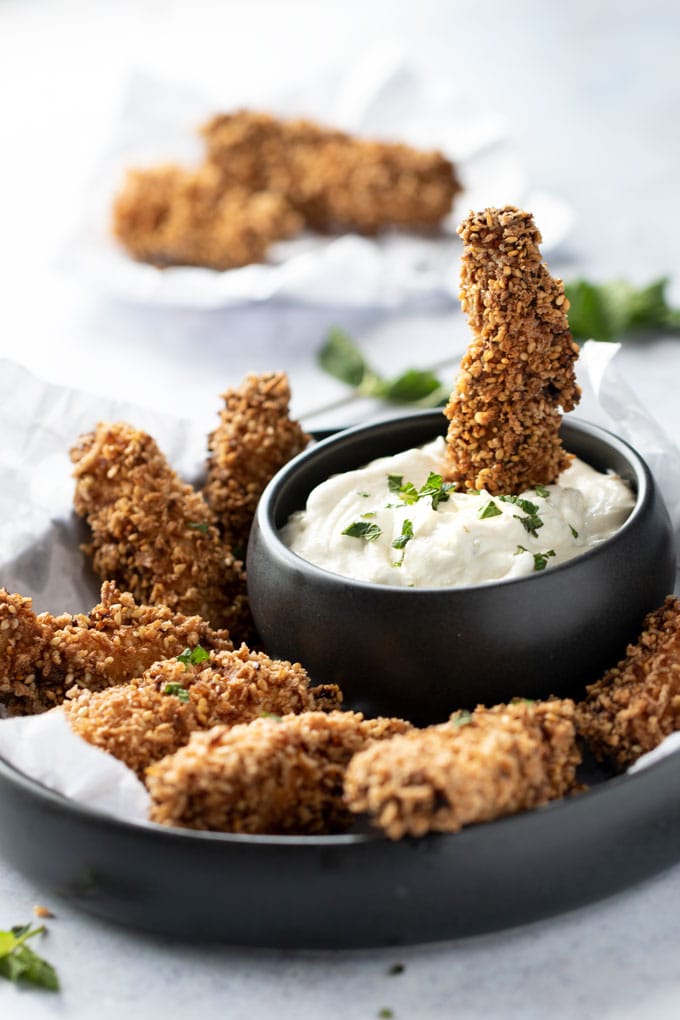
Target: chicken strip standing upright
{"x": 276, "y": 775}
{"x": 474, "y": 768}
{"x": 255, "y": 438}
{"x": 154, "y": 715}
{"x": 517, "y": 375}
{"x": 153, "y": 534}
{"x": 637, "y": 703}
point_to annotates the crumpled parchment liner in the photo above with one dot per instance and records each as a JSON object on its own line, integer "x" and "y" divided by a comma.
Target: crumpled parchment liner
{"x": 380, "y": 95}
{"x": 40, "y": 536}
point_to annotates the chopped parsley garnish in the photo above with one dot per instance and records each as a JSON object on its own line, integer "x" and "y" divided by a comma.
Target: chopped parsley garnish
{"x": 193, "y": 656}
{"x": 541, "y": 559}
{"x": 180, "y": 692}
{"x": 519, "y": 549}
{"x": 196, "y": 526}
{"x": 530, "y": 524}
{"x": 402, "y": 540}
{"x": 364, "y": 494}
{"x": 434, "y": 487}
{"x": 462, "y": 718}
{"x": 369, "y": 513}
{"x": 363, "y": 529}
{"x": 541, "y": 490}
{"x": 524, "y": 504}
{"x": 573, "y": 530}
{"x": 271, "y": 715}
{"x": 490, "y": 510}
{"x": 474, "y": 492}
{"x": 18, "y": 962}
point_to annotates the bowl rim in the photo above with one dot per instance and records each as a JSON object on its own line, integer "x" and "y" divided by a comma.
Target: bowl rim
{"x": 271, "y": 536}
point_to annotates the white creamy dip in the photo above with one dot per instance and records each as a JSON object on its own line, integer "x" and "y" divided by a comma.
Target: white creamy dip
{"x": 400, "y": 536}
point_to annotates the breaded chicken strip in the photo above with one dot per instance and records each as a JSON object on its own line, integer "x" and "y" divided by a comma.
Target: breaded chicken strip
{"x": 637, "y": 703}
{"x": 254, "y": 439}
{"x": 115, "y": 642}
{"x": 473, "y": 768}
{"x": 153, "y": 534}
{"x": 517, "y": 375}
{"x": 336, "y": 181}
{"x": 23, "y": 637}
{"x": 273, "y": 775}
{"x": 171, "y": 216}
{"x": 154, "y": 715}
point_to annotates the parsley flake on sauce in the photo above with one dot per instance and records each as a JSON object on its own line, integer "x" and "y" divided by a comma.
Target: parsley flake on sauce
{"x": 541, "y": 490}
{"x": 363, "y": 529}
{"x": 402, "y": 540}
{"x": 434, "y": 487}
{"x": 490, "y": 510}
{"x": 541, "y": 559}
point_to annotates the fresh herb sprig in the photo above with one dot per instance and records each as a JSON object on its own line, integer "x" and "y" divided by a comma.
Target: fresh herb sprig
{"x": 193, "y": 656}
{"x": 402, "y": 540}
{"x": 363, "y": 529}
{"x": 607, "y": 311}
{"x": 20, "y": 963}
{"x": 341, "y": 358}
{"x": 434, "y": 488}
{"x": 177, "y": 691}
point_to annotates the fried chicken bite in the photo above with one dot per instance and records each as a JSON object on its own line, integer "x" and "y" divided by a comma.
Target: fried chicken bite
{"x": 474, "y": 768}
{"x": 154, "y": 715}
{"x": 23, "y": 636}
{"x": 255, "y": 437}
{"x": 151, "y": 533}
{"x": 635, "y": 705}
{"x": 334, "y": 180}
{"x": 115, "y": 642}
{"x": 517, "y": 375}
{"x": 172, "y": 216}
{"x": 276, "y": 775}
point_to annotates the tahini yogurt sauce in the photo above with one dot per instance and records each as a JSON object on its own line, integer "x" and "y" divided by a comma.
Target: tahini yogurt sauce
{"x": 373, "y": 524}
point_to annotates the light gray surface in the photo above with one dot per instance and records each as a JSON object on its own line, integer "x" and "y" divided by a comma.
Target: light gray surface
{"x": 592, "y": 93}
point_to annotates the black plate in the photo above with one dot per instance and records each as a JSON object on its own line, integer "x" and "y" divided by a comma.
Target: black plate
{"x": 345, "y": 891}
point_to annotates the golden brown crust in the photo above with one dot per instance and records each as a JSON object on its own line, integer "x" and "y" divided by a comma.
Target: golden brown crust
{"x": 336, "y": 181}
{"x": 115, "y": 642}
{"x": 170, "y": 216}
{"x": 153, "y": 534}
{"x": 154, "y": 715}
{"x": 637, "y": 703}
{"x": 255, "y": 437}
{"x": 518, "y": 373}
{"x": 472, "y": 769}
{"x": 276, "y": 776}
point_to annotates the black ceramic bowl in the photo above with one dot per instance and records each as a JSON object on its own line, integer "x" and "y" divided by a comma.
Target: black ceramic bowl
{"x": 424, "y": 652}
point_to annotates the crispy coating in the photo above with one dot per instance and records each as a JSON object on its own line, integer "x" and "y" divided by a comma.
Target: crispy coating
{"x": 154, "y": 715}
{"x": 334, "y": 180}
{"x": 635, "y": 705}
{"x": 153, "y": 534}
{"x": 518, "y": 372}
{"x": 473, "y": 768}
{"x": 169, "y": 216}
{"x": 255, "y": 437}
{"x": 275, "y": 775}
{"x": 23, "y": 636}
{"x": 115, "y": 642}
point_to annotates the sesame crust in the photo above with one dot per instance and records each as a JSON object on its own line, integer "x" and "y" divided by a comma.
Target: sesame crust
{"x": 142, "y": 721}
{"x": 172, "y": 216}
{"x": 115, "y": 642}
{"x": 255, "y": 437}
{"x": 635, "y": 705}
{"x": 275, "y": 776}
{"x": 517, "y": 375}
{"x": 151, "y": 533}
{"x": 499, "y": 761}
{"x": 334, "y": 180}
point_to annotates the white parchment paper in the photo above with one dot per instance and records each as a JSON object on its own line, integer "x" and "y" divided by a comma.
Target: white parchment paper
{"x": 40, "y": 536}
{"x": 379, "y": 96}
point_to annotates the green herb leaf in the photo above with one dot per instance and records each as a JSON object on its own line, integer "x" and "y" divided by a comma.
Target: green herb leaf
{"x": 386, "y": 1013}
{"x": 541, "y": 490}
{"x": 180, "y": 692}
{"x": 437, "y": 489}
{"x": 402, "y": 540}
{"x": 462, "y": 718}
{"x": 573, "y": 531}
{"x": 193, "y": 656}
{"x": 490, "y": 510}
{"x": 195, "y": 526}
{"x": 531, "y": 523}
{"x": 519, "y": 549}
{"x": 369, "y": 513}
{"x": 271, "y": 715}
{"x": 342, "y": 359}
{"x": 605, "y": 311}
{"x": 363, "y": 529}
{"x": 524, "y": 504}
{"x": 541, "y": 559}
{"x": 396, "y": 968}
{"x": 18, "y": 962}
{"x": 413, "y": 386}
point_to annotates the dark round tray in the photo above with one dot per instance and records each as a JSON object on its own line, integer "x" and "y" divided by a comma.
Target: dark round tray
{"x": 351, "y": 890}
